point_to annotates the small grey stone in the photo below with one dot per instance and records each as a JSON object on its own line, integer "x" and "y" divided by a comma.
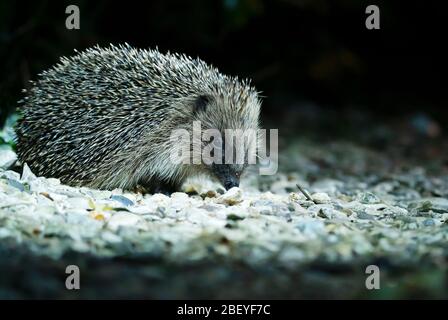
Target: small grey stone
{"x": 122, "y": 199}
{"x": 368, "y": 198}
{"x": 311, "y": 227}
{"x": 320, "y": 197}
{"x": 27, "y": 174}
{"x": 16, "y": 184}
{"x": 231, "y": 197}
{"x": 365, "y": 216}
{"x": 429, "y": 223}
{"x": 10, "y": 175}
{"x": 7, "y": 157}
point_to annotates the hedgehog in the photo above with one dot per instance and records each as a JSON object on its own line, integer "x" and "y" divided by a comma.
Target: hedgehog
{"x": 104, "y": 118}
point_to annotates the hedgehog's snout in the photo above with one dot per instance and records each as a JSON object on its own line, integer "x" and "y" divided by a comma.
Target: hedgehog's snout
{"x": 226, "y": 175}
{"x": 231, "y": 182}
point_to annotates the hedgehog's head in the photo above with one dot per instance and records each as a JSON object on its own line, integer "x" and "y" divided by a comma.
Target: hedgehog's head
{"x": 229, "y": 124}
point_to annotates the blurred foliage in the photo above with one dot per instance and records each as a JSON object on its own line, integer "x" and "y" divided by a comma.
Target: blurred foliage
{"x": 7, "y": 134}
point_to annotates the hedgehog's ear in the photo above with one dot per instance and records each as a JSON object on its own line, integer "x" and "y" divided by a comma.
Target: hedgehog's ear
{"x": 200, "y": 103}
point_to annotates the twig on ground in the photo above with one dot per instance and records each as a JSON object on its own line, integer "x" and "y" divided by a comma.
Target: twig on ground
{"x": 306, "y": 194}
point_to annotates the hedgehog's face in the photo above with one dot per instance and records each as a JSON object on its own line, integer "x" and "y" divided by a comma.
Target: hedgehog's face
{"x": 226, "y": 162}
{"x": 229, "y": 129}
{"x": 228, "y": 174}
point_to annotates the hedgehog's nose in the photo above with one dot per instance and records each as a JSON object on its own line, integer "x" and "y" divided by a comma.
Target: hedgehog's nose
{"x": 231, "y": 182}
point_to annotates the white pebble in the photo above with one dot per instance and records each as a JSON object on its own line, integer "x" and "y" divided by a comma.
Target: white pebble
{"x": 123, "y": 219}
{"x": 321, "y": 197}
{"x": 231, "y": 197}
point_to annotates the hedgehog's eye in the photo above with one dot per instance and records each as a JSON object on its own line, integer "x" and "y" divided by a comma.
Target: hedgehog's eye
{"x": 201, "y": 103}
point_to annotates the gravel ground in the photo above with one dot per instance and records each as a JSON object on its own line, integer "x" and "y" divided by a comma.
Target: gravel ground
{"x": 263, "y": 240}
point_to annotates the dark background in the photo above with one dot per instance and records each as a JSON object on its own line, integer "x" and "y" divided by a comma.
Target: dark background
{"x": 296, "y": 51}
{"x": 320, "y": 69}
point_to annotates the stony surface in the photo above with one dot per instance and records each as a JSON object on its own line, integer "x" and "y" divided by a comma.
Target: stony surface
{"x": 265, "y": 239}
